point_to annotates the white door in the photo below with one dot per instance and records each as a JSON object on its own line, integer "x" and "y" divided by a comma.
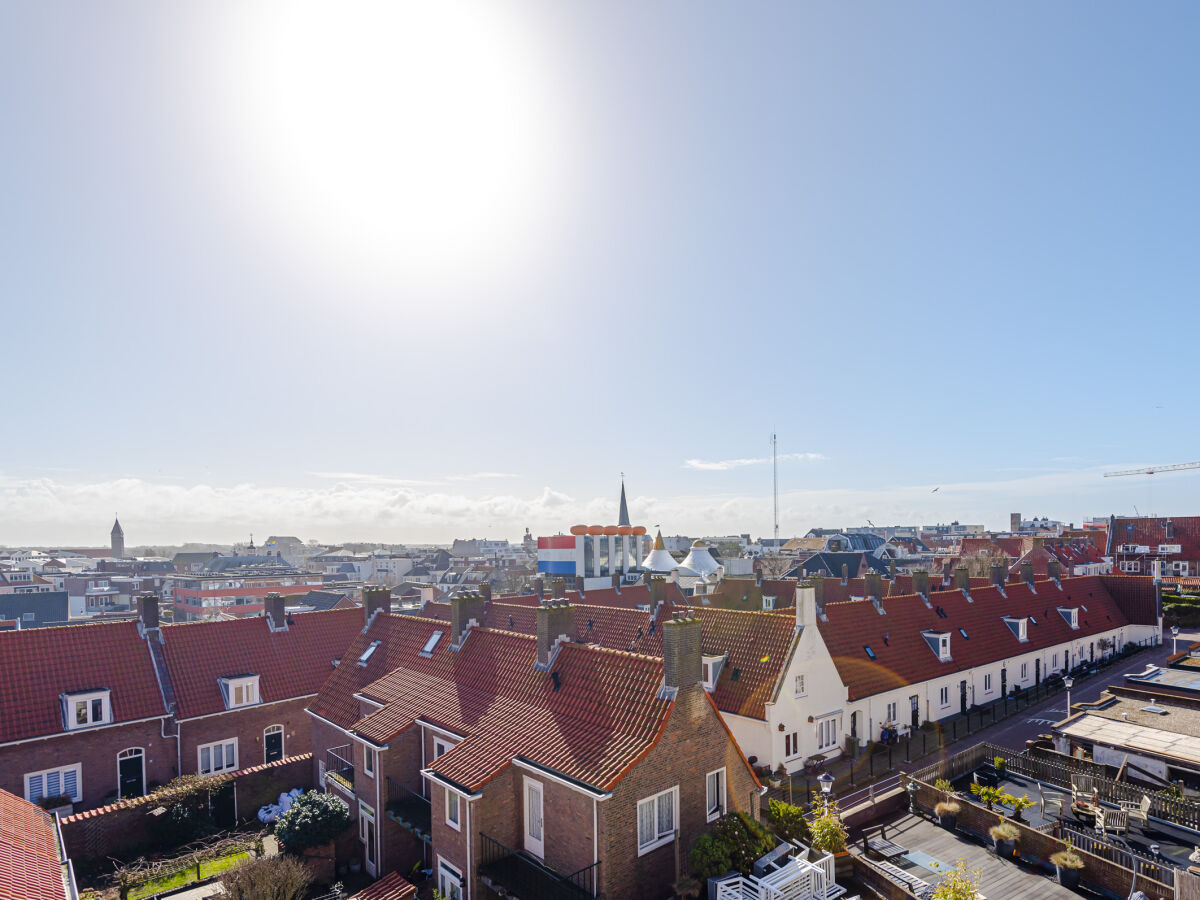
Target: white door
{"x": 534, "y": 840}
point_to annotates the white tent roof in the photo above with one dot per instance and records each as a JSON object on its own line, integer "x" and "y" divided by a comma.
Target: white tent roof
{"x": 699, "y": 560}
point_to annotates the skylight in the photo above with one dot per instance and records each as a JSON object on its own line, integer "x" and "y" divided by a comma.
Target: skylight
{"x": 366, "y": 654}
{"x": 870, "y": 652}
{"x": 963, "y": 632}
{"x": 431, "y": 643}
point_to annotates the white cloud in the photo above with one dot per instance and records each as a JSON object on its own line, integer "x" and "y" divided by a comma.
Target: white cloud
{"x": 480, "y": 476}
{"x": 721, "y": 465}
{"x": 365, "y": 478}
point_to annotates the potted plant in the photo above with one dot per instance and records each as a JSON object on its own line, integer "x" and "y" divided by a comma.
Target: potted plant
{"x": 829, "y": 832}
{"x": 1068, "y": 866}
{"x": 1005, "y": 835}
{"x": 947, "y": 812}
{"x": 1019, "y": 805}
{"x": 999, "y": 763}
{"x": 959, "y": 884}
{"x": 943, "y": 784}
{"x": 989, "y": 795}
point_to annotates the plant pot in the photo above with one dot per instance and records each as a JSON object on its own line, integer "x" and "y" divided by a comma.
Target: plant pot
{"x": 1068, "y": 878}
{"x": 843, "y": 866}
{"x": 948, "y": 822}
{"x": 1005, "y": 848}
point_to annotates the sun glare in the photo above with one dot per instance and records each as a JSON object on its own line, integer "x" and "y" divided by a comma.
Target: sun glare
{"x": 413, "y": 144}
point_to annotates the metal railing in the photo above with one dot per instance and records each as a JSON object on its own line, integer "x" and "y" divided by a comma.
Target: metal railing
{"x": 410, "y": 809}
{"x": 339, "y": 763}
{"x": 1127, "y": 858}
{"x": 523, "y": 876}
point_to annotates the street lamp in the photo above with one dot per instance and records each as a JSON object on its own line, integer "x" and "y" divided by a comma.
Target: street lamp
{"x": 1174, "y": 639}
{"x": 912, "y": 796}
{"x": 1068, "y": 682}
{"x": 826, "y": 781}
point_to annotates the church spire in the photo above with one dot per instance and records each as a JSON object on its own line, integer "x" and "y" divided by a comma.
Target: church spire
{"x": 623, "y": 516}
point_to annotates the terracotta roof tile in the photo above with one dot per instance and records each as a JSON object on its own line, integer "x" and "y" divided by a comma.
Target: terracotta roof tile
{"x": 38, "y": 664}
{"x": 389, "y": 887}
{"x": 29, "y": 863}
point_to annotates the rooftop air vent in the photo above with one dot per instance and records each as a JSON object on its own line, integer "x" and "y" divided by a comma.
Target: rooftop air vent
{"x": 1154, "y": 708}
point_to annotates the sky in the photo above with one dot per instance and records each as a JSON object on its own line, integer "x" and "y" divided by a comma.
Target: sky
{"x": 411, "y": 271}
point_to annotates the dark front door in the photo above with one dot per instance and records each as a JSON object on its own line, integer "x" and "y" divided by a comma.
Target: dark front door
{"x": 273, "y": 746}
{"x": 962, "y": 696}
{"x": 129, "y": 771}
{"x": 1004, "y": 682}
{"x": 1037, "y": 671}
{"x": 916, "y": 712}
{"x": 854, "y": 727}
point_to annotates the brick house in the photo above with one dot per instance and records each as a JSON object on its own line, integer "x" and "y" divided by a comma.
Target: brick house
{"x": 495, "y": 756}
{"x": 81, "y": 714}
{"x": 33, "y": 864}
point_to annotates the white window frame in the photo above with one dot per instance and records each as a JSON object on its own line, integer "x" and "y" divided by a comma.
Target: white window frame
{"x": 364, "y": 813}
{"x": 944, "y": 697}
{"x": 714, "y": 811}
{"x": 890, "y": 711}
{"x": 59, "y": 770}
{"x": 799, "y": 687}
{"x": 454, "y": 821}
{"x": 445, "y": 745}
{"x": 224, "y": 745}
{"x": 1024, "y": 671}
{"x": 70, "y": 702}
{"x": 828, "y": 733}
{"x": 661, "y": 838}
{"x": 794, "y": 740}
{"x": 247, "y": 685}
{"x": 368, "y": 760}
{"x": 711, "y": 669}
{"x": 768, "y": 603}
{"x": 987, "y": 682}
{"x": 944, "y": 647}
{"x": 449, "y": 880}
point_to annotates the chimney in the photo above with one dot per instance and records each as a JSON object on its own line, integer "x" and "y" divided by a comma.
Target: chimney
{"x": 579, "y": 585}
{"x": 1054, "y": 569}
{"x": 681, "y": 654}
{"x": 147, "y": 607}
{"x": 873, "y": 584}
{"x": 818, "y": 585}
{"x": 539, "y": 588}
{"x": 559, "y": 588}
{"x": 1027, "y": 573}
{"x": 658, "y": 593}
{"x": 999, "y": 574}
{"x": 1038, "y": 543}
{"x": 962, "y": 579}
{"x": 275, "y": 609}
{"x": 807, "y": 604}
{"x": 758, "y": 577}
{"x": 555, "y": 622}
{"x": 465, "y": 610}
{"x": 616, "y": 582}
{"x": 845, "y": 573}
{"x": 920, "y": 583}
{"x": 485, "y": 591}
{"x": 376, "y": 599}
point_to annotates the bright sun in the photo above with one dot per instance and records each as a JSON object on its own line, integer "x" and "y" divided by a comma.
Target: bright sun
{"x": 408, "y": 143}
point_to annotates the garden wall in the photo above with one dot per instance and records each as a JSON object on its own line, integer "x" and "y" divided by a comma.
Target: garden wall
{"x": 125, "y": 829}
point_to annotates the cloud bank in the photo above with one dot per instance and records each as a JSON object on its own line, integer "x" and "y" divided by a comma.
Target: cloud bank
{"x": 721, "y": 465}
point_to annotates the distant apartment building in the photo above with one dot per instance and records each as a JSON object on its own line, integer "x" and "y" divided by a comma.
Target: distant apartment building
{"x": 1135, "y": 544}
{"x": 232, "y": 594}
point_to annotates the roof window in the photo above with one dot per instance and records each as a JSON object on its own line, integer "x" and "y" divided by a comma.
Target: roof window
{"x": 427, "y": 650}
{"x": 85, "y": 709}
{"x": 1019, "y": 627}
{"x": 239, "y": 691}
{"x": 1071, "y": 615}
{"x": 366, "y": 654}
{"x": 963, "y": 632}
{"x": 939, "y": 643}
{"x": 870, "y": 652}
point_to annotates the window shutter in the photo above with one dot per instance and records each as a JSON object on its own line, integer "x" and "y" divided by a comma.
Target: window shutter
{"x": 36, "y": 790}
{"x": 70, "y": 786}
{"x": 53, "y": 784}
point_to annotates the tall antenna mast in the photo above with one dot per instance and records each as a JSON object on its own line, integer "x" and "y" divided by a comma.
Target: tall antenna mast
{"x": 775, "y": 475}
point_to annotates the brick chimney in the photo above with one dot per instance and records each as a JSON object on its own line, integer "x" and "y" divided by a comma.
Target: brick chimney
{"x": 485, "y": 591}
{"x": 892, "y": 569}
{"x": 147, "y": 608}
{"x": 1054, "y": 569}
{"x": 275, "y": 609}
{"x": 555, "y": 622}
{"x": 962, "y": 579}
{"x": 658, "y": 592}
{"x": 1027, "y": 573}
{"x": 818, "y": 585}
{"x": 873, "y": 585}
{"x": 920, "y": 583}
{"x": 579, "y": 585}
{"x": 845, "y": 573}
{"x": 376, "y": 599}
{"x": 999, "y": 574}
{"x": 539, "y": 588}
{"x": 560, "y": 589}
{"x": 758, "y": 577}
{"x": 616, "y": 581}
{"x": 465, "y": 610}
{"x": 681, "y": 653}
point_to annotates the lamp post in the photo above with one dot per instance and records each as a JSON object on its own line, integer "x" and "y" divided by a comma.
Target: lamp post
{"x": 912, "y": 796}
{"x": 826, "y": 782}
{"x": 1068, "y": 682}
{"x": 1174, "y": 639}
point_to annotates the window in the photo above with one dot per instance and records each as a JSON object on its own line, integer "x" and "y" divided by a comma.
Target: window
{"x": 891, "y": 712}
{"x": 656, "y": 820}
{"x": 870, "y": 652}
{"x": 441, "y": 746}
{"x": 85, "y": 710}
{"x": 370, "y": 651}
{"x": 714, "y": 790}
{"x": 791, "y": 745}
{"x": 427, "y": 650}
{"x": 452, "y": 811}
{"x": 366, "y": 814}
{"x": 944, "y": 647}
{"x": 449, "y": 880}
{"x": 800, "y": 692}
{"x": 987, "y": 682}
{"x": 217, "y": 757}
{"x": 369, "y": 760}
{"x": 63, "y": 781}
{"x": 712, "y": 671}
{"x": 1054, "y": 661}
{"x": 827, "y": 733}
{"x": 944, "y": 696}
{"x": 1024, "y": 671}
{"x": 240, "y": 691}
{"x": 768, "y": 602}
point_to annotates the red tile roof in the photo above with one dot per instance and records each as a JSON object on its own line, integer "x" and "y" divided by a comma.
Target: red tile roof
{"x": 389, "y": 887}
{"x": 906, "y": 657}
{"x": 1185, "y": 531}
{"x": 291, "y": 663}
{"x": 29, "y": 861}
{"x": 38, "y": 664}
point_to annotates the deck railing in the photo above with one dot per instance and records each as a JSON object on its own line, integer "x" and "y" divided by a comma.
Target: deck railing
{"x": 1126, "y": 858}
{"x": 410, "y": 809}
{"x": 339, "y": 762}
{"x": 523, "y": 876}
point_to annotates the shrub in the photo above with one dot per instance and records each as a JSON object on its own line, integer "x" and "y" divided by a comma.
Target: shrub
{"x": 744, "y": 839}
{"x": 788, "y": 821}
{"x": 269, "y": 878}
{"x": 1004, "y": 832}
{"x": 54, "y": 802}
{"x": 961, "y": 884}
{"x": 943, "y": 784}
{"x": 313, "y": 819}
{"x": 710, "y": 856}
{"x": 998, "y": 762}
{"x": 828, "y": 831}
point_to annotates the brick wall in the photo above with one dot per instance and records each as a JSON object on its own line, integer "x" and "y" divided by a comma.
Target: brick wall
{"x": 126, "y": 828}
{"x": 401, "y": 762}
{"x": 95, "y": 749}
{"x": 247, "y": 725}
{"x": 695, "y": 742}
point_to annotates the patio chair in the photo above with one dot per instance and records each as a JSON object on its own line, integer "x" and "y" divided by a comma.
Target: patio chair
{"x": 1138, "y": 812}
{"x": 1112, "y": 821}
{"x": 1052, "y": 804}
{"x": 1082, "y": 787}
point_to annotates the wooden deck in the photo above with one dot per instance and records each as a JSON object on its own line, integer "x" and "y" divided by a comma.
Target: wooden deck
{"x": 1001, "y": 879}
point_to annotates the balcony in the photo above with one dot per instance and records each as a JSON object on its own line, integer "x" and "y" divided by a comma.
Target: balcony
{"x": 410, "y": 810}
{"x": 339, "y": 765}
{"x": 515, "y": 874}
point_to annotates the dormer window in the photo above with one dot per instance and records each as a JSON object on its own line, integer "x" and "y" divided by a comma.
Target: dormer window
{"x": 768, "y": 602}
{"x": 86, "y": 709}
{"x": 1071, "y": 615}
{"x": 939, "y": 643}
{"x": 239, "y": 691}
{"x": 1019, "y": 627}
{"x": 712, "y": 671}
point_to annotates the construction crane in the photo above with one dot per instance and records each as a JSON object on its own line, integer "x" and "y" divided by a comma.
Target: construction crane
{"x": 1154, "y": 469}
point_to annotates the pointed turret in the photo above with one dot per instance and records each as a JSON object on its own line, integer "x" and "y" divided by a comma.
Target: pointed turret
{"x": 659, "y": 560}
{"x": 623, "y": 517}
{"x": 118, "y": 539}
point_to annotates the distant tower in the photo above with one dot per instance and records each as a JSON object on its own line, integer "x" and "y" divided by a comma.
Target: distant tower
{"x": 623, "y": 516}
{"x": 118, "y": 540}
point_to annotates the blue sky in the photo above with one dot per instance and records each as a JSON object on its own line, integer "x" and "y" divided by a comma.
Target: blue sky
{"x": 408, "y": 272}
